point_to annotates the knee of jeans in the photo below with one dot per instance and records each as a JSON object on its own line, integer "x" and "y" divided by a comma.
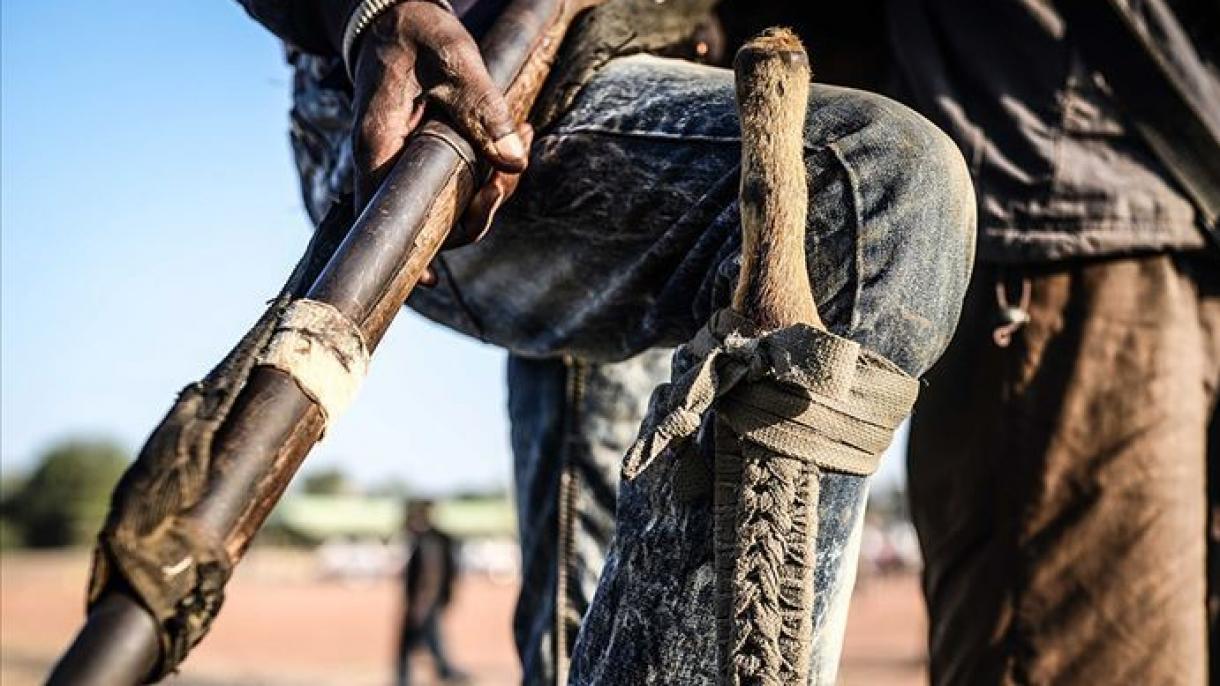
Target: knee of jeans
{"x": 916, "y": 220}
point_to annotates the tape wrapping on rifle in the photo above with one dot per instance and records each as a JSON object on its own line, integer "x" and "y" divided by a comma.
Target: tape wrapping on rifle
{"x": 149, "y": 546}
{"x": 322, "y": 350}
{"x": 784, "y": 406}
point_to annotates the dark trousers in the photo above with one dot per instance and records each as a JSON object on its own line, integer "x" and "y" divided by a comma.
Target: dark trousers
{"x": 1060, "y": 485}
{"x": 427, "y": 634}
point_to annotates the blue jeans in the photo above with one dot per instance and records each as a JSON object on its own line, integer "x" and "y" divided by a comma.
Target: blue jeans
{"x": 572, "y": 421}
{"x": 623, "y": 237}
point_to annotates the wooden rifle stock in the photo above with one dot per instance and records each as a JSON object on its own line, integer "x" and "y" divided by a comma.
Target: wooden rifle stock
{"x": 273, "y": 424}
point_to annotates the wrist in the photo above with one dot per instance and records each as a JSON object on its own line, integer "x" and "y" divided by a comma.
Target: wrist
{"x": 361, "y": 17}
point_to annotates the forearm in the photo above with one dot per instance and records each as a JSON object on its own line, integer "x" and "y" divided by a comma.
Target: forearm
{"x": 312, "y": 25}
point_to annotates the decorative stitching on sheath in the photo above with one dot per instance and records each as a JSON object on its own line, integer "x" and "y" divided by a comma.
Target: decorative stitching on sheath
{"x": 787, "y": 405}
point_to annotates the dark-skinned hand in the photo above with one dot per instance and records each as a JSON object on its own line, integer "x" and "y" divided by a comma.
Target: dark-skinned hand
{"x": 414, "y": 54}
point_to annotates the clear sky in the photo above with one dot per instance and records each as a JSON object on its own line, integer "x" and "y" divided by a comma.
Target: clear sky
{"x": 148, "y": 208}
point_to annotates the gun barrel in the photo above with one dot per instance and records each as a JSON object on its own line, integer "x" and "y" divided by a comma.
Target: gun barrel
{"x": 117, "y": 645}
{"x": 273, "y": 424}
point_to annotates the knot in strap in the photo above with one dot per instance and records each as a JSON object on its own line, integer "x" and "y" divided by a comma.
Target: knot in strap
{"x": 678, "y": 408}
{"x": 797, "y": 364}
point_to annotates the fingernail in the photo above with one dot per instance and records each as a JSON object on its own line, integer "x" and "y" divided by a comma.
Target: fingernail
{"x": 511, "y": 147}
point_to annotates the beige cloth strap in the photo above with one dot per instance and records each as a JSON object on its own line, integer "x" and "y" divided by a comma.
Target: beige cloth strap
{"x": 323, "y": 351}
{"x": 821, "y": 390}
{"x": 788, "y": 404}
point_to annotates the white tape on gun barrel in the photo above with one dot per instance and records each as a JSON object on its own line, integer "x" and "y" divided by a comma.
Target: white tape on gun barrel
{"x": 323, "y": 351}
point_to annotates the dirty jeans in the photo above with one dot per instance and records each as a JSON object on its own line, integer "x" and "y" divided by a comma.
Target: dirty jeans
{"x": 623, "y": 237}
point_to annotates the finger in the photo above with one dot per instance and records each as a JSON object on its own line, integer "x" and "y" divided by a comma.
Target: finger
{"x": 427, "y": 279}
{"x": 388, "y": 108}
{"x": 482, "y": 210}
{"x": 481, "y": 213}
{"x": 468, "y": 95}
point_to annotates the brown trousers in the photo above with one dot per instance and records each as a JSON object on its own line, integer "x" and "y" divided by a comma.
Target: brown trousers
{"x": 1060, "y": 485}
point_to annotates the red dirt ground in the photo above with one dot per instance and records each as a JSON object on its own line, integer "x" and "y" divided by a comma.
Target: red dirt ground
{"x": 282, "y": 627}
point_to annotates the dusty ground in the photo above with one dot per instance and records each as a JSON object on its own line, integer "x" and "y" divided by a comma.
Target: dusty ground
{"x": 281, "y": 627}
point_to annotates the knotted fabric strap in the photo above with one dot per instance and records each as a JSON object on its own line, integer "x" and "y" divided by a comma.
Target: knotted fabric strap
{"x": 787, "y": 404}
{"x": 323, "y": 351}
{"x": 818, "y": 387}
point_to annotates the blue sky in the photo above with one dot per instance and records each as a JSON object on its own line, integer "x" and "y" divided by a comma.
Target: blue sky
{"x": 148, "y": 207}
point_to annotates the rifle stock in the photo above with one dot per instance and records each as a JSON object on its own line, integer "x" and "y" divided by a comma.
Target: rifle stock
{"x": 273, "y": 424}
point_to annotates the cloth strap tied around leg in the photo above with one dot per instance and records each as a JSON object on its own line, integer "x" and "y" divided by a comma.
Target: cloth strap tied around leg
{"x": 323, "y": 351}
{"x": 820, "y": 386}
{"x": 786, "y": 404}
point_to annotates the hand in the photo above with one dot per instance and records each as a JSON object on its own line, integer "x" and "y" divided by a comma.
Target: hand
{"x": 417, "y": 52}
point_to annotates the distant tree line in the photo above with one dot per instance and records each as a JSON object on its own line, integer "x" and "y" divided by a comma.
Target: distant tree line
{"x": 63, "y": 499}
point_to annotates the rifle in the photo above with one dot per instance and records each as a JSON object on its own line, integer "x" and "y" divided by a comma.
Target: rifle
{"x": 241, "y": 433}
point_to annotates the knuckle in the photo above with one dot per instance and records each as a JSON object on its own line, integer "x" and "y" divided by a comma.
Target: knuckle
{"x": 371, "y": 143}
{"x": 454, "y": 51}
{"x": 447, "y": 30}
{"x": 367, "y": 135}
{"x": 487, "y": 107}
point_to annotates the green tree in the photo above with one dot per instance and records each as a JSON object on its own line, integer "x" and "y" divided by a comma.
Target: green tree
{"x": 65, "y": 498}
{"x": 330, "y": 481}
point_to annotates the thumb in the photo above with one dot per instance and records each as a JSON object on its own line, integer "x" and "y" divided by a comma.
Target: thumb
{"x": 479, "y": 110}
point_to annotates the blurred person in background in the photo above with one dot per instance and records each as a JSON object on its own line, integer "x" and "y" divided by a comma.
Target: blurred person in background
{"x": 428, "y": 580}
{"x": 1064, "y": 452}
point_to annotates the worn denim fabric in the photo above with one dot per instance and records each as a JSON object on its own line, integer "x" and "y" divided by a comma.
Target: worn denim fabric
{"x": 653, "y": 618}
{"x": 571, "y": 423}
{"x": 624, "y": 235}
